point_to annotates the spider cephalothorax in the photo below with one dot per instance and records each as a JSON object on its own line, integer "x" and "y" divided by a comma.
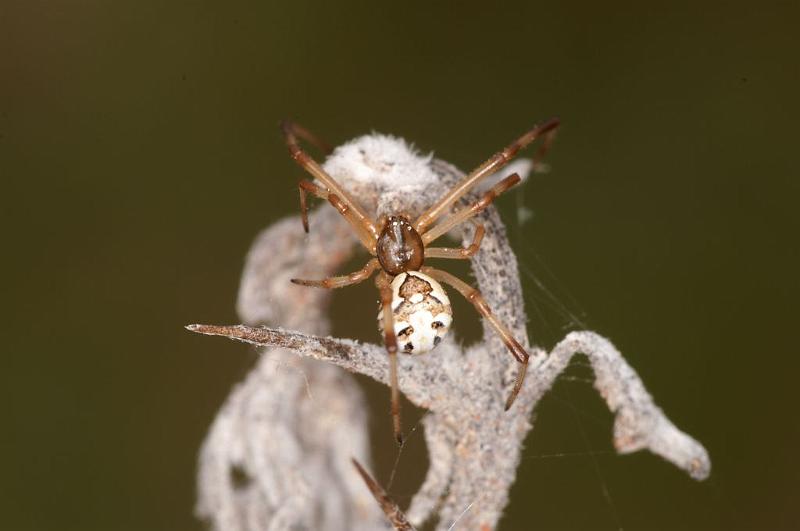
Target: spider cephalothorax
{"x": 415, "y": 311}
{"x": 399, "y": 247}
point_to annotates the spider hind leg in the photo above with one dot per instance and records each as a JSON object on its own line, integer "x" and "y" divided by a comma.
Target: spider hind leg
{"x": 474, "y": 296}
{"x": 390, "y": 339}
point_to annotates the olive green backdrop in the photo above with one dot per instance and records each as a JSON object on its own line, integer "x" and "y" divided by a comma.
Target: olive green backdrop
{"x": 139, "y": 155}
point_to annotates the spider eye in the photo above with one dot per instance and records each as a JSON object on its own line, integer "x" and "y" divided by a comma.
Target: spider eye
{"x": 409, "y": 347}
{"x": 437, "y": 324}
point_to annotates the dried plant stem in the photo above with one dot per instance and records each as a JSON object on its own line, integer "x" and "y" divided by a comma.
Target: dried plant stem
{"x": 474, "y": 445}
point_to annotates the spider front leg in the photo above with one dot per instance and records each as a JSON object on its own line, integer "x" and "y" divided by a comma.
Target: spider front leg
{"x": 497, "y": 161}
{"x": 308, "y": 136}
{"x": 466, "y": 213}
{"x": 474, "y": 296}
{"x": 363, "y": 233}
{"x": 345, "y": 280}
{"x": 367, "y": 231}
{"x": 383, "y": 282}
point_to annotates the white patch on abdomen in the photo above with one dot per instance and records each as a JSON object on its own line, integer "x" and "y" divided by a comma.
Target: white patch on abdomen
{"x": 421, "y": 311}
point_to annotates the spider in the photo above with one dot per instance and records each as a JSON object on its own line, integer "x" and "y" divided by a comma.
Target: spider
{"x": 415, "y": 312}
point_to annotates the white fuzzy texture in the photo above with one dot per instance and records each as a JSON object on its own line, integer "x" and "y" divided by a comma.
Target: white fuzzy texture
{"x": 380, "y": 160}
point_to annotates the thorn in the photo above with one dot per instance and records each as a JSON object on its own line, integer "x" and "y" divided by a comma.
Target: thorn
{"x": 308, "y": 283}
{"x": 215, "y": 330}
{"x": 209, "y": 330}
{"x": 358, "y": 466}
{"x": 386, "y": 503}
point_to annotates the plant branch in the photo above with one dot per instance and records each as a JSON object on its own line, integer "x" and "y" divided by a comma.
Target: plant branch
{"x": 474, "y": 445}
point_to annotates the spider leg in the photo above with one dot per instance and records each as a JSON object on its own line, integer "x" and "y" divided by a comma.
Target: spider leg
{"x": 497, "y": 161}
{"x": 366, "y": 237}
{"x": 390, "y": 340}
{"x": 461, "y": 252}
{"x": 345, "y": 280}
{"x": 309, "y": 137}
{"x": 474, "y": 296}
{"x": 354, "y": 214}
{"x": 467, "y": 212}
{"x": 390, "y": 508}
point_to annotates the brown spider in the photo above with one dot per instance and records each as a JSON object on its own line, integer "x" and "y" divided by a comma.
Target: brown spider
{"x": 414, "y": 306}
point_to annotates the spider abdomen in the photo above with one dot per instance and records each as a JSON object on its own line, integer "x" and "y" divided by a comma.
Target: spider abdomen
{"x": 421, "y": 310}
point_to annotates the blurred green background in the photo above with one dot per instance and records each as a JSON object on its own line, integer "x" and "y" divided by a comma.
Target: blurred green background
{"x": 139, "y": 156}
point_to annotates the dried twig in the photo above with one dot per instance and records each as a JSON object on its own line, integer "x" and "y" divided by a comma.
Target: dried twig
{"x": 387, "y": 504}
{"x": 474, "y": 446}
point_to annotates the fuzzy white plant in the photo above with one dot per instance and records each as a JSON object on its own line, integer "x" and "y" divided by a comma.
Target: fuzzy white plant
{"x": 278, "y": 456}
